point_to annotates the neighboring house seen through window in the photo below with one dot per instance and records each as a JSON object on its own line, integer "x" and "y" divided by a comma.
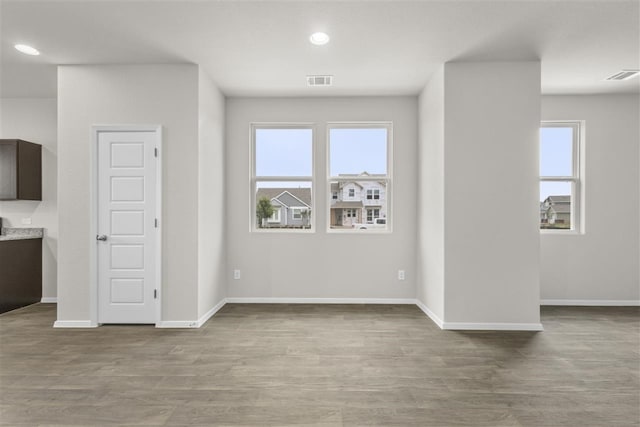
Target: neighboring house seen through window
{"x": 560, "y": 181}
{"x": 282, "y": 176}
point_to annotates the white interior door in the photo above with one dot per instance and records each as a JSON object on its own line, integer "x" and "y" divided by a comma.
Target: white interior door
{"x": 127, "y": 226}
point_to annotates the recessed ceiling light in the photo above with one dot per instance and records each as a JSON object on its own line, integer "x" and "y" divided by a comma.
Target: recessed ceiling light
{"x": 319, "y": 38}
{"x": 28, "y": 50}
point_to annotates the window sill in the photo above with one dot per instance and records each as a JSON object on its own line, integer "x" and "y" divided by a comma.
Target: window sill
{"x": 283, "y": 230}
{"x": 561, "y": 233}
{"x": 356, "y": 231}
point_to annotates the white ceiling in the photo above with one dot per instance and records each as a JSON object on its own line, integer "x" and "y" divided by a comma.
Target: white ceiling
{"x": 261, "y": 48}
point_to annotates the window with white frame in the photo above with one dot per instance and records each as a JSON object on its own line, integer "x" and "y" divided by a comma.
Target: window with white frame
{"x": 299, "y": 213}
{"x": 360, "y": 163}
{"x": 282, "y": 177}
{"x": 560, "y": 181}
{"x": 275, "y": 216}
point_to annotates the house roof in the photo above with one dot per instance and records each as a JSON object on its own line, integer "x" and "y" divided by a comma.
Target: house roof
{"x": 361, "y": 174}
{"x": 346, "y": 205}
{"x": 559, "y": 199}
{"x": 303, "y": 194}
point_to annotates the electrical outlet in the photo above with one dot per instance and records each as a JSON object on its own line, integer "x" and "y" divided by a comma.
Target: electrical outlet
{"x": 236, "y": 274}
{"x": 26, "y": 221}
{"x": 400, "y": 274}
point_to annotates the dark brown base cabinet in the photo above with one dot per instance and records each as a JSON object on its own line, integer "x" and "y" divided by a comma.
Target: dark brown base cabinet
{"x": 20, "y": 273}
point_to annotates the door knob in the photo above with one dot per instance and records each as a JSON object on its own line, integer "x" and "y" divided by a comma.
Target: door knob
{"x": 101, "y": 237}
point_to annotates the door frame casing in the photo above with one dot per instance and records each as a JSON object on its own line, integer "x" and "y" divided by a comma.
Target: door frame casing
{"x": 96, "y": 130}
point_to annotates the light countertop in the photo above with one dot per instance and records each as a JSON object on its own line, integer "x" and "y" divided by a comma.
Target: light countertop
{"x": 15, "y": 233}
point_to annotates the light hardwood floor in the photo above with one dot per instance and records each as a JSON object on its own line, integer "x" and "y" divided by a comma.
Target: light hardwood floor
{"x": 322, "y": 365}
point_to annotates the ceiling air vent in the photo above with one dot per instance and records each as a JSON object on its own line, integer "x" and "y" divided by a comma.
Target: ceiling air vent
{"x": 319, "y": 80}
{"x": 624, "y": 75}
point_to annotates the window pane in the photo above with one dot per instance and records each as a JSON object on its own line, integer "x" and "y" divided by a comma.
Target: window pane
{"x": 355, "y": 151}
{"x": 353, "y": 209}
{"x": 555, "y": 205}
{"x": 284, "y": 152}
{"x": 556, "y": 151}
{"x": 283, "y": 205}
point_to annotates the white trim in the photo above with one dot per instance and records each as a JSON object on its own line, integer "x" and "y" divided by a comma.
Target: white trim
{"x": 279, "y": 300}
{"x": 189, "y": 324}
{"x": 592, "y": 302}
{"x": 74, "y": 324}
{"x": 93, "y": 212}
{"x": 460, "y": 326}
{"x": 430, "y": 314}
{"x": 49, "y": 300}
{"x": 209, "y": 314}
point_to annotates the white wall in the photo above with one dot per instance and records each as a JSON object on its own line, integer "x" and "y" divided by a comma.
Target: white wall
{"x": 212, "y": 286}
{"x": 34, "y": 119}
{"x": 431, "y": 219}
{"x": 131, "y": 94}
{"x": 321, "y": 264}
{"x": 492, "y": 120}
{"x": 479, "y": 175}
{"x": 602, "y": 264}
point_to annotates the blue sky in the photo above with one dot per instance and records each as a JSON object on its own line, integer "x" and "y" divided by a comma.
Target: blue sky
{"x": 556, "y": 146}
{"x": 284, "y": 152}
{"x": 288, "y": 152}
{"x": 354, "y": 151}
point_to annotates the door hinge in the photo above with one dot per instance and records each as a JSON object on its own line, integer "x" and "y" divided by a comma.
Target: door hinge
{"x": 155, "y": 223}
{"x": 155, "y": 152}
{"x": 155, "y": 294}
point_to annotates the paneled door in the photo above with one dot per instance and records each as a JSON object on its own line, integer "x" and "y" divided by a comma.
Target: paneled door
{"x": 127, "y": 226}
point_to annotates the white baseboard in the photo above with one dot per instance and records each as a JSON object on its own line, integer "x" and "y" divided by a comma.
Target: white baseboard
{"x": 459, "y": 326}
{"x": 49, "y": 300}
{"x": 74, "y": 324}
{"x": 430, "y": 314}
{"x": 209, "y": 314}
{"x": 278, "y": 300}
{"x": 177, "y": 324}
{"x": 592, "y": 302}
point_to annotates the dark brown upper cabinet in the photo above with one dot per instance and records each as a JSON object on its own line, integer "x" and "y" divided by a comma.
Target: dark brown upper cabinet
{"x": 20, "y": 170}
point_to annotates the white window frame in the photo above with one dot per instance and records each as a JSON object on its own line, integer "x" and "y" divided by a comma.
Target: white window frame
{"x": 293, "y": 179}
{"x": 388, "y": 125}
{"x": 576, "y": 179}
{"x": 275, "y": 217}
{"x": 373, "y": 194}
{"x": 299, "y": 210}
{"x": 373, "y": 214}
{"x": 351, "y": 193}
